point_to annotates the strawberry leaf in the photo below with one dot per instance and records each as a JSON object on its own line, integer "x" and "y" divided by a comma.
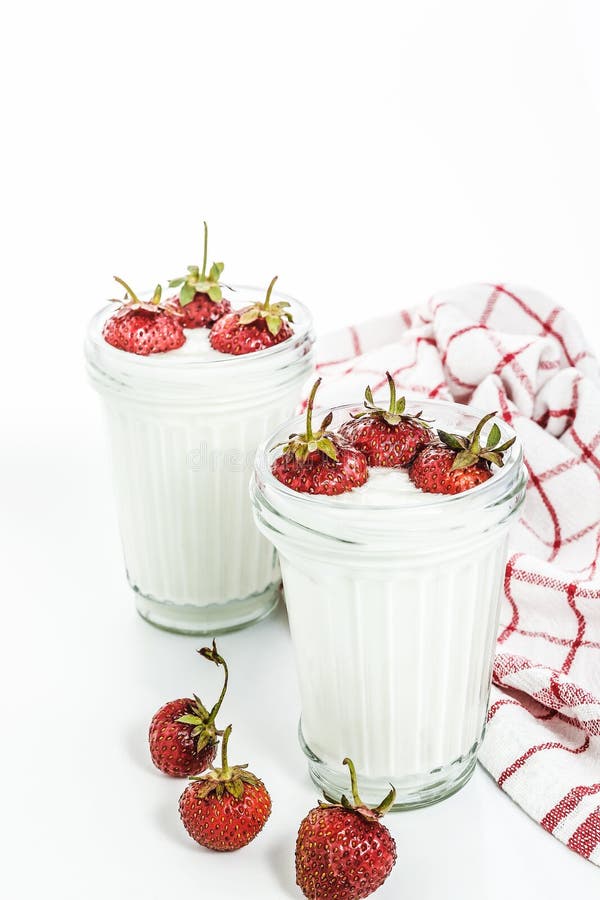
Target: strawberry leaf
{"x": 274, "y": 324}
{"x": 251, "y": 315}
{"x": 215, "y": 271}
{"x": 205, "y": 738}
{"x": 464, "y": 459}
{"x": 186, "y": 294}
{"x": 493, "y": 437}
{"x": 200, "y": 707}
{"x": 493, "y": 456}
{"x": 190, "y": 720}
{"x": 391, "y": 418}
{"x": 327, "y": 447}
{"x": 214, "y": 292}
{"x": 235, "y": 788}
{"x": 505, "y": 446}
{"x": 454, "y": 441}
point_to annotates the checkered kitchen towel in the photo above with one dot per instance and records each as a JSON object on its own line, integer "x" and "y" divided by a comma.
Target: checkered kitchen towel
{"x": 512, "y": 349}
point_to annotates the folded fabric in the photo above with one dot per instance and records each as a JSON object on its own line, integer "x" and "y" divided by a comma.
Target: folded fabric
{"x": 512, "y": 349}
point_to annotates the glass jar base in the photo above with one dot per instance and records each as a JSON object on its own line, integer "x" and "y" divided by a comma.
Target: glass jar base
{"x": 412, "y": 791}
{"x": 217, "y": 618}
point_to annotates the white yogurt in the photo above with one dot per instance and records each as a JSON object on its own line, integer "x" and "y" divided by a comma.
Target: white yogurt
{"x": 393, "y": 600}
{"x": 184, "y": 427}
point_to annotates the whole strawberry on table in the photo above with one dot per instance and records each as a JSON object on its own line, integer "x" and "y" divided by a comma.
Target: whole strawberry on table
{"x": 388, "y": 437}
{"x": 183, "y": 734}
{"x": 343, "y": 851}
{"x": 144, "y": 326}
{"x": 200, "y": 300}
{"x": 320, "y": 461}
{"x": 459, "y": 462}
{"x": 225, "y": 808}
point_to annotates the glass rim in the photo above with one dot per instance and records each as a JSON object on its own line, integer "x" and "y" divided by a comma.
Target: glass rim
{"x": 168, "y": 363}
{"x": 504, "y": 484}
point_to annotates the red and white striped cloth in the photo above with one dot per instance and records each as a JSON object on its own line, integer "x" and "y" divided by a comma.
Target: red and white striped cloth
{"x": 512, "y": 349}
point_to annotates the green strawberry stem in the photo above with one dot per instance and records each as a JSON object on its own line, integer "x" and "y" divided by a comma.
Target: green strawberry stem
{"x": 203, "y": 721}
{"x": 200, "y": 282}
{"x": 267, "y": 303}
{"x": 359, "y": 807}
{"x": 353, "y": 781}
{"x": 135, "y": 300}
{"x": 301, "y": 445}
{"x": 225, "y": 768}
{"x": 228, "y": 778}
{"x": 212, "y": 654}
{"x": 205, "y": 256}
{"x": 274, "y": 314}
{"x": 392, "y": 385}
{"x": 309, "y": 411}
{"x": 469, "y": 450}
{"x": 396, "y": 411}
{"x": 128, "y": 290}
{"x": 475, "y": 445}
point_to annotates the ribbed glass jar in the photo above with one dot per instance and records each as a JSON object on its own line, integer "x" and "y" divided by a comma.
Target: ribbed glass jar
{"x": 393, "y": 598}
{"x": 184, "y": 427}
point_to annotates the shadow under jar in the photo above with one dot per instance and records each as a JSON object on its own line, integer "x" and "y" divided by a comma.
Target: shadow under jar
{"x": 393, "y": 598}
{"x": 184, "y": 427}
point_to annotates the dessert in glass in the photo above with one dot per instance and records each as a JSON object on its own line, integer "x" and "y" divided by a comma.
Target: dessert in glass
{"x": 190, "y": 388}
{"x": 391, "y": 530}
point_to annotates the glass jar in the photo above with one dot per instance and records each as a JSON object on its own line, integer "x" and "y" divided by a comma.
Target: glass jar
{"x": 393, "y": 598}
{"x": 184, "y": 427}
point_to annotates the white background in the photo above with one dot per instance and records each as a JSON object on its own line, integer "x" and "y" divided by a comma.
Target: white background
{"x": 369, "y": 154}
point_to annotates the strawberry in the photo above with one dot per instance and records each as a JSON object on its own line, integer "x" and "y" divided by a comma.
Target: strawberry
{"x": 256, "y": 327}
{"x": 143, "y": 327}
{"x": 387, "y": 437}
{"x": 342, "y": 849}
{"x": 458, "y": 463}
{"x": 200, "y": 299}
{"x": 201, "y": 311}
{"x": 225, "y": 808}
{"x": 183, "y": 736}
{"x": 319, "y": 462}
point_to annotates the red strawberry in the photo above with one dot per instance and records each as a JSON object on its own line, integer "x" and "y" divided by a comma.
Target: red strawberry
{"x": 387, "y": 437}
{"x": 200, "y": 299}
{"x": 253, "y": 328}
{"x": 343, "y": 850}
{"x": 225, "y": 808}
{"x": 143, "y": 328}
{"x": 201, "y": 311}
{"x": 320, "y": 462}
{"x": 183, "y": 735}
{"x": 459, "y": 462}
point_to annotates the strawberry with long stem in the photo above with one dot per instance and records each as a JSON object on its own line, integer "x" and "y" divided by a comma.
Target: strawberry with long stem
{"x": 321, "y": 461}
{"x": 183, "y": 733}
{"x": 200, "y": 297}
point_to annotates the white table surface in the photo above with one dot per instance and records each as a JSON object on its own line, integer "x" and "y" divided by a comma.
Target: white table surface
{"x": 88, "y": 816}
{"x": 368, "y": 157}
